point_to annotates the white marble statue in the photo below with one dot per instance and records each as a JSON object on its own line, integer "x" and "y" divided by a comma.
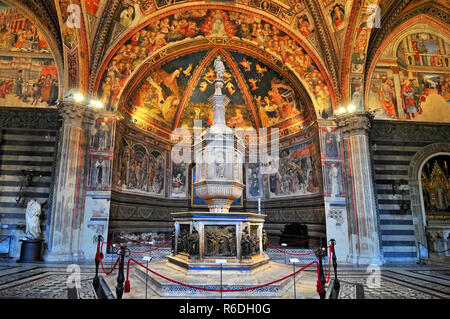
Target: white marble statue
{"x": 32, "y": 214}
{"x": 219, "y": 67}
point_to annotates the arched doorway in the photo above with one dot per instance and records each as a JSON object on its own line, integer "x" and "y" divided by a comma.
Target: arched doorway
{"x": 429, "y": 192}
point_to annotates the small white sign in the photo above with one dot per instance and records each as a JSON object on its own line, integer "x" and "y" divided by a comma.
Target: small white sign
{"x": 293, "y": 260}
{"x": 221, "y": 261}
{"x": 283, "y": 244}
{"x": 147, "y": 258}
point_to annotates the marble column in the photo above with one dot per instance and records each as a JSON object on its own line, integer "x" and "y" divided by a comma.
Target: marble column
{"x": 67, "y": 210}
{"x": 364, "y": 245}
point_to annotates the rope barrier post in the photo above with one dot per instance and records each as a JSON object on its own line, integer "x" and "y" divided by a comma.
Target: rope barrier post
{"x": 293, "y": 261}
{"x": 295, "y": 290}
{"x": 96, "y": 280}
{"x": 320, "y": 253}
{"x": 336, "y": 284}
{"x": 146, "y": 258}
{"x": 121, "y": 276}
{"x": 284, "y": 251}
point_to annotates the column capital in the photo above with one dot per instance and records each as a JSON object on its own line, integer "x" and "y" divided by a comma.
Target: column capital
{"x": 358, "y": 123}
{"x": 76, "y": 114}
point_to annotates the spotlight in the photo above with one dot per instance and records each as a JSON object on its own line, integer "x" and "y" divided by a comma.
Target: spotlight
{"x": 96, "y": 104}
{"x": 134, "y": 121}
{"x": 78, "y": 97}
{"x": 340, "y": 111}
{"x": 351, "y": 108}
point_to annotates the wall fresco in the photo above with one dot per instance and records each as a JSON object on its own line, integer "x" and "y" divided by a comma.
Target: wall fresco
{"x": 28, "y": 74}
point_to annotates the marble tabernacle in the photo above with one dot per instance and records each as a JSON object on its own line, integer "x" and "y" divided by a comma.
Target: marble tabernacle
{"x": 203, "y": 237}
{"x": 205, "y": 243}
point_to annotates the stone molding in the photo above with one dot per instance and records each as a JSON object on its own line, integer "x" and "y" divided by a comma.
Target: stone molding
{"x": 358, "y": 123}
{"x": 76, "y": 114}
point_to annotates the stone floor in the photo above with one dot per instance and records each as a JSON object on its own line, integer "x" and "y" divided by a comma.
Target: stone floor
{"x": 50, "y": 280}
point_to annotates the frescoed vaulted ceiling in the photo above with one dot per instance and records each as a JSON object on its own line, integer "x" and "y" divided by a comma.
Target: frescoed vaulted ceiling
{"x": 150, "y": 60}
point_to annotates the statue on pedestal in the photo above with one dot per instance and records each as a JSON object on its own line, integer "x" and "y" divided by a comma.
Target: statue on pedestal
{"x": 219, "y": 67}
{"x": 32, "y": 214}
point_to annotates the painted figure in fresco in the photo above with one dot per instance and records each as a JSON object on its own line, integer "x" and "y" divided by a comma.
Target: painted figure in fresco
{"x": 238, "y": 120}
{"x": 387, "y": 96}
{"x": 415, "y": 47}
{"x": 423, "y": 52}
{"x": 99, "y": 165}
{"x": 178, "y": 183}
{"x": 53, "y": 93}
{"x": 254, "y": 185}
{"x": 304, "y": 27}
{"x": 330, "y": 144}
{"x": 18, "y": 83}
{"x": 410, "y": 105}
{"x": 45, "y": 92}
{"x": 334, "y": 180}
{"x": 337, "y": 16}
{"x": 313, "y": 183}
{"x": 218, "y": 25}
{"x": 106, "y": 94}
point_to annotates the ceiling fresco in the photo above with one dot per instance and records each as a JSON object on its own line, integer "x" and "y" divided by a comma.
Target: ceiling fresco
{"x": 183, "y": 26}
{"x": 175, "y": 93}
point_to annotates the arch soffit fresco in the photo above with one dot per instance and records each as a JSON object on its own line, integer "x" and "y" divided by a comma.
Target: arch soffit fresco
{"x": 158, "y": 15}
{"x": 50, "y": 37}
{"x": 392, "y": 42}
{"x": 76, "y": 69}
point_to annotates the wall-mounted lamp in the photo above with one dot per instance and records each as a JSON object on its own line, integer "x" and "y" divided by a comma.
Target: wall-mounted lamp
{"x": 351, "y": 108}
{"x": 96, "y": 104}
{"x": 78, "y": 97}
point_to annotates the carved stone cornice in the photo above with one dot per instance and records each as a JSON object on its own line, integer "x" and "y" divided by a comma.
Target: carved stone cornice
{"x": 358, "y": 123}
{"x": 29, "y": 118}
{"x": 410, "y": 131}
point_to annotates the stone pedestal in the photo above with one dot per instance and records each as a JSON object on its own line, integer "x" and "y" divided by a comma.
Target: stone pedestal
{"x": 31, "y": 250}
{"x": 363, "y": 224}
{"x": 201, "y": 238}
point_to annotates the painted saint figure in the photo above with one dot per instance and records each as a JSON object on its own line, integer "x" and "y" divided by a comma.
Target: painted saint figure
{"x": 387, "y": 95}
{"x": 409, "y": 101}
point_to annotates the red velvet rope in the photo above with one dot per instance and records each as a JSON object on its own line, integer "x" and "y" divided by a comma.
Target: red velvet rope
{"x": 223, "y": 290}
{"x": 142, "y": 252}
{"x": 290, "y": 253}
{"x": 112, "y": 269}
{"x": 319, "y": 286}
